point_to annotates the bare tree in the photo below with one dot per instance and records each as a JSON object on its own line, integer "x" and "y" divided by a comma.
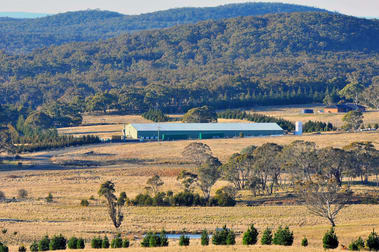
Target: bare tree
{"x": 324, "y": 197}
{"x": 114, "y": 204}
{"x": 154, "y": 183}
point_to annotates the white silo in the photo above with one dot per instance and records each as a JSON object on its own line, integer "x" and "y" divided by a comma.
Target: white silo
{"x": 299, "y": 128}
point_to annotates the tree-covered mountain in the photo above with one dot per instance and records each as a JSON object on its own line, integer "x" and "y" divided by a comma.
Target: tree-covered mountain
{"x": 24, "y": 35}
{"x": 244, "y": 61}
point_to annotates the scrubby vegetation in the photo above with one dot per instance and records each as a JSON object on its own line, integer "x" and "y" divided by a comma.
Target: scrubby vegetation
{"x": 155, "y": 115}
{"x": 155, "y": 240}
{"x": 224, "y": 236}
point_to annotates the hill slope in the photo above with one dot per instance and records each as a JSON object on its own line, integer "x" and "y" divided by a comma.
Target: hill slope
{"x": 274, "y": 59}
{"x": 19, "y": 36}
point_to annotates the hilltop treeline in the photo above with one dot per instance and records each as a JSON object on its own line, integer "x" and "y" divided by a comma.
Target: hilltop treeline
{"x": 245, "y": 61}
{"x": 24, "y": 35}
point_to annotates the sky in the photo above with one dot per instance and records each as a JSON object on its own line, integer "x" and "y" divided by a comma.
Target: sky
{"x": 359, "y": 8}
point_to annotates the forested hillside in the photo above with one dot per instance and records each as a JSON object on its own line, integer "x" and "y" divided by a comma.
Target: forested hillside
{"x": 20, "y": 36}
{"x": 245, "y": 61}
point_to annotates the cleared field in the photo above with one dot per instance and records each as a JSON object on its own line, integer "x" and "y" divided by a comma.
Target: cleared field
{"x": 32, "y": 218}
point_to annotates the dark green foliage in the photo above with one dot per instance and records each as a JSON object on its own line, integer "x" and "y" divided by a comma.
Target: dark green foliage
{"x": 204, "y": 238}
{"x": 43, "y": 245}
{"x": 155, "y": 240}
{"x": 283, "y": 237}
{"x": 202, "y": 114}
{"x": 255, "y": 117}
{"x": 3, "y": 248}
{"x": 372, "y": 241}
{"x": 4, "y": 230}
{"x": 223, "y": 236}
{"x": 357, "y": 244}
{"x": 84, "y": 203}
{"x": 125, "y": 243}
{"x": 96, "y": 243}
{"x": 58, "y": 243}
{"x": 105, "y": 242}
{"x": 184, "y": 240}
{"x": 168, "y": 199}
{"x": 155, "y": 115}
{"x": 22, "y": 249}
{"x": 116, "y": 242}
{"x": 154, "y": 69}
{"x": 304, "y": 242}
{"x": 34, "y": 247}
{"x": 224, "y": 198}
{"x": 80, "y": 244}
{"x": 330, "y": 240}
{"x": 24, "y": 35}
{"x": 266, "y": 237}
{"x": 250, "y": 237}
{"x": 311, "y": 126}
{"x": 72, "y": 243}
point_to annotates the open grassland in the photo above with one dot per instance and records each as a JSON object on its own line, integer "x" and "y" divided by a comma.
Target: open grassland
{"x": 34, "y": 217}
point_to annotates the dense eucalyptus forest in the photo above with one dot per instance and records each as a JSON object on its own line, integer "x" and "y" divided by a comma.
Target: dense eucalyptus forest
{"x": 245, "y": 61}
{"x": 24, "y": 35}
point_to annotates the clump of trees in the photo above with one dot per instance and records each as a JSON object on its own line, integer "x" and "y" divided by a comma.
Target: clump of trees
{"x": 155, "y": 115}
{"x": 224, "y": 236}
{"x": 317, "y": 126}
{"x": 155, "y": 240}
{"x": 202, "y": 114}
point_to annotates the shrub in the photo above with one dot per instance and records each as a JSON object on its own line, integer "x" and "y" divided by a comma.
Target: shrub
{"x": 266, "y": 237}
{"x": 22, "y": 248}
{"x": 22, "y": 194}
{"x": 283, "y": 237}
{"x": 224, "y": 198}
{"x": 80, "y": 244}
{"x": 96, "y": 243}
{"x": 2, "y": 195}
{"x": 125, "y": 243}
{"x": 204, "y": 238}
{"x": 84, "y": 203}
{"x": 3, "y": 248}
{"x": 372, "y": 242}
{"x": 117, "y": 242}
{"x": 357, "y": 244}
{"x": 250, "y": 237}
{"x": 184, "y": 240}
{"x": 43, "y": 244}
{"x": 330, "y": 240}
{"x": 224, "y": 236}
{"x": 57, "y": 243}
{"x": 163, "y": 239}
{"x": 34, "y": 246}
{"x": 105, "y": 242}
{"x": 155, "y": 240}
{"x": 304, "y": 242}
{"x": 4, "y": 230}
{"x": 49, "y": 198}
{"x": 72, "y": 243}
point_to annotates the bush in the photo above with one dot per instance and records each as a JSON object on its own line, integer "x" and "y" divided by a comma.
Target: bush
{"x": 204, "y": 238}
{"x": 72, "y": 243}
{"x": 283, "y": 237}
{"x": 58, "y": 243}
{"x": 80, "y": 244}
{"x": 250, "y": 237}
{"x": 3, "y": 248}
{"x": 304, "y": 242}
{"x": 84, "y": 203}
{"x": 43, "y": 244}
{"x": 4, "y": 230}
{"x": 357, "y": 244}
{"x": 330, "y": 240}
{"x": 105, "y": 242}
{"x": 22, "y": 248}
{"x": 117, "y": 242}
{"x": 96, "y": 243}
{"x": 266, "y": 237}
{"x": 373, "y": 241}
{"x": 155, "y": 240}
{"x": 34, "y": 247}
{"x": 22, "y": 194}
{"x": 49, "y": 198}
{"x": 223, "y": 198}
{"x": 125, "y": 243}
{"x": 224, "y": 236}
{"x": 184, "y": 240}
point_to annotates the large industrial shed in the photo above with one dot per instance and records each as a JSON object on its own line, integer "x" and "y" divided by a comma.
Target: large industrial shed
{"x": 176, "y": 131}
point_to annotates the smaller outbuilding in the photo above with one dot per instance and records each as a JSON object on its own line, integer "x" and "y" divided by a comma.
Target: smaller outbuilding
{"x": 177, "y": 131}
{"x": 307, "y": 111}
{"x": 343, "y": 108}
